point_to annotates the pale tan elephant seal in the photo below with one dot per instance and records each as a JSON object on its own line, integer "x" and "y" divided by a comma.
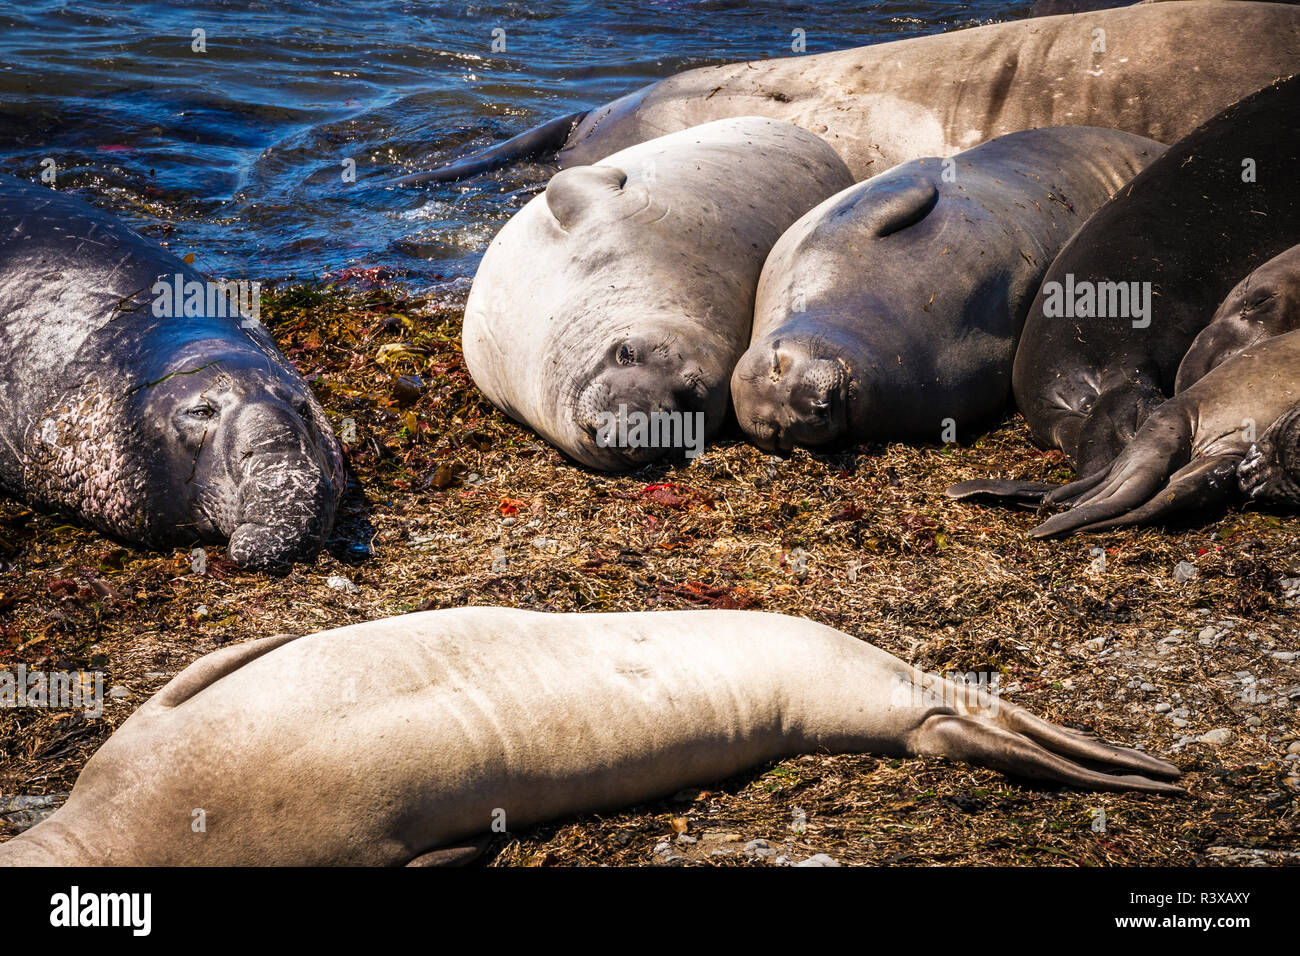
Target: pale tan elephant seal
{"x": 389, "y": 741}
{"x": 1158, "y": 70}
{"x": 608, "y": 313}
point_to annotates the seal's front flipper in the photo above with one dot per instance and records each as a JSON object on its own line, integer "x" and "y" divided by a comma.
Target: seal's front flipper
{"x": 459, "y": 854}
{"x": 984, "y": 741}
{"x": 1002, "y": 492}
{"x": 209, "y": 669}
{"x": 540, "y": 142}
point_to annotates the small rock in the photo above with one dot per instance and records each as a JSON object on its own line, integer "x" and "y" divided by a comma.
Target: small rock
{"x": 686, "y": 838}
{"x": 1218, "y": 737}
{"x": 1207, "y": 634}
{"x": 1293, "y": 747}
{"x": 1253, "y": 722}
{"x": 819, "y": 859}
{"x": 508, "y": 522}
{"x": 1286, "y": 655}
{"x": 663, "y": 847}
{"x": 340, "y": 583}
{"x": 118, "y": 692}
{"x": 1162, "y": 708}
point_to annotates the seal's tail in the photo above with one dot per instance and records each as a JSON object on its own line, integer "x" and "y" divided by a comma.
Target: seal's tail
{"x": 541, "y": 141}
{"x": 1025, "y": 493}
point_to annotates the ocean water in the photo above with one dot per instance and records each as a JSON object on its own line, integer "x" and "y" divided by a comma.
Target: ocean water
{"x": 238, "y": 153}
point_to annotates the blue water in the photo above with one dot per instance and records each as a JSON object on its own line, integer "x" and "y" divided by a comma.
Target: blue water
{"x": 236, "y": 154}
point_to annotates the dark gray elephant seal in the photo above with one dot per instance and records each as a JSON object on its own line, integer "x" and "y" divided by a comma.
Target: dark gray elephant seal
{"x": 163, "y": 431}
{"x": 892, "y": 310}
{"x": 1217, "y": 205}
{"x": 1264, "y": 304}
{"x": 392, "y": 741}
{"x": 1238, "y": 426}
{"x": 625, "y": 293}
{"x": 1165, "y": 69}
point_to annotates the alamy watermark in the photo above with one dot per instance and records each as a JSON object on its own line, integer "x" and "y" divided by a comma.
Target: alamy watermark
{"x": 176, "y": 297}
{"x": 53, "y": 690}
{"x": 624, "y": 429}
{"x": 1098, "y": 300}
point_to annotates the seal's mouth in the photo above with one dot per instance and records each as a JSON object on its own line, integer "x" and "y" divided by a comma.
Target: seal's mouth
{"x": 630, "y": 417}
{"x": 1251, "y": 477}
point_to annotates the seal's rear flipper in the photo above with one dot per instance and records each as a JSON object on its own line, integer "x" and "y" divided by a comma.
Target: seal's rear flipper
{"x": 459, "y": 854}
{"x": 540, "y": 142}
{"x": 987, "y": 741}
{"x": 1201, "y": 484}
{"x": 1003, "y": 492}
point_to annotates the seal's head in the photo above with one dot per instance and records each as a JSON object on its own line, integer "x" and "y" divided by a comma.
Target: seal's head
{"x": 1270, "y": 471}
{"x": 244, "y": 452}
{"x": 645, "y": 396}
{"x": 216, "y": 439}
{"x": 794, "y": 390}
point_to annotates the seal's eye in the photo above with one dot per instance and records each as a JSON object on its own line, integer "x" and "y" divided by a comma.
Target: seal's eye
{"x": 626, "y": 355}
{"x": 201, "y": 412}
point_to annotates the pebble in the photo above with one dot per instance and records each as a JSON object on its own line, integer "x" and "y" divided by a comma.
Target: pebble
{"x": 1286, "y": 655}
{"x": 819, "y": 859}
{"x": 1148, "y": 687}
{"x": 1293, "y": 747}
{"x": 340, "y": 583}
{"x": 1208, "y": 633}
{"x": 1162, "y": 708}
{"x": 760, "y": 849}
{"x": 1218, "y": 737}
{"x": 118, "y": 692}
{"x": 686, "y": 838}
{"x": 1253, "y": 722}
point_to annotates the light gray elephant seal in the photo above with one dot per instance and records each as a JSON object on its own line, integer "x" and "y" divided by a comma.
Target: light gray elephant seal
{"x": 163, "y": 426}
{"x": 1238, "y": 426}
{"x": 624, "y": 294}
{"x": 381, "y": 743}
{"x": 1264, "y": 304}
{"x": 892, "y": 310}
{"x": 1156, "y": 70}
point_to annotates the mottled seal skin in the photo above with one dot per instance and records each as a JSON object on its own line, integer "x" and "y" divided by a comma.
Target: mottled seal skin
{"x": 1264, "y": 304}
{"x": 1190, "y": 226}
{"x": 630, "y": 284}
{"x": 381, "y": 743}
{"x": 891, "y": 311}
{"x": 161, "y": 431}
{"x": 1198, "y": 448}
{"x": 1167, "y": 68}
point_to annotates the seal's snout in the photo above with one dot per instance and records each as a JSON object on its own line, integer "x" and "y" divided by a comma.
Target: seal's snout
{"x": 785, "y": 395}
{"x": 635, "y": 412}
{"x": 288, "y": 488}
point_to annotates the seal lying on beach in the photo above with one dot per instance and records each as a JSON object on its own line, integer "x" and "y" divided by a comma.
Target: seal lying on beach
{"x": 1196, "y": 449}
{"x": 892, "y": 310}
{"x": 1156, "y": 70}
{"x": 142, "y": 402}
{"x": 624, "y": 294}
{"x": 389, "y": 741}
{"x": 1264, "y": 304}
{"x": 1121, "y": 305}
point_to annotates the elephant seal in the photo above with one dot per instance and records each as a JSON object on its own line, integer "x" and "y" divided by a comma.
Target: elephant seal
{"x": 1264, "y": 304}
{"x": 163, "y": 426}
{"x": 624, "y": 294}
{"x": 1198, "y": 448}
{"x": 891, "y": 310}
{"x": 1121, "y": 305}
{"x": 448, "y": 722}
{"x": 1156, "y": 70}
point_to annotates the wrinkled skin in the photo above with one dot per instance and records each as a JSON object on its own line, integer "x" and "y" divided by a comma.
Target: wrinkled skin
{"x": 630, "y": 284}
{"x": 161, "y": 431}
{"x": 458, "y": 716}
{"x": 1198, "y": 448}
{"x": 1167, "y": 68}
{"x": 891, "y": 311}
{"x": 1264, "y": 304}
